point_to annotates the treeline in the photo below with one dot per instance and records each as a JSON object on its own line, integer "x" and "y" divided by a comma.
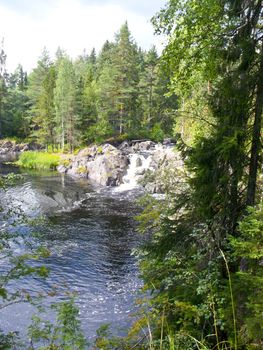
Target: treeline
{"x": 121, "y": 91}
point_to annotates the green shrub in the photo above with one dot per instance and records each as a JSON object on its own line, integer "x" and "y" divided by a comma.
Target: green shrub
{"x": 38, "y": 160}
{"x": 157, "y": 133}
{"x": 64, "y": 333}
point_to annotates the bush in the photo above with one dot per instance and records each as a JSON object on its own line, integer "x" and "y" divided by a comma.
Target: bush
{"x": 38, "y": 160}
{"x": 157, "y": 133}
{"x": 65, "y": 333}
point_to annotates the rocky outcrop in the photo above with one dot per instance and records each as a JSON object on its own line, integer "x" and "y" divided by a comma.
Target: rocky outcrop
{"x": 104, "y": 165}
{"x": 162, "y": 180}
{"x": 153, "y": 166}
{"x": 10, "y": 147}
{"x": 136, "y": 146}
{"x": 165, "y": 167}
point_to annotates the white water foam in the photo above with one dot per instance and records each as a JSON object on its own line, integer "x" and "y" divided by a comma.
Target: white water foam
{"x": 137, "y": 167}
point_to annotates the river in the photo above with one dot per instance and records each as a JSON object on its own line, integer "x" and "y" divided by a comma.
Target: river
{"x": 91, "y": 233}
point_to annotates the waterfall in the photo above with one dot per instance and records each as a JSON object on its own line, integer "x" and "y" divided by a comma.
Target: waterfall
{"x": 145, "y": 157}
{"x": 139, "y": 163}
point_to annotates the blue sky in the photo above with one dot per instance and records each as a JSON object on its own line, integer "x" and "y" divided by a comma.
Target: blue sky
{"x": 29, "y": 25}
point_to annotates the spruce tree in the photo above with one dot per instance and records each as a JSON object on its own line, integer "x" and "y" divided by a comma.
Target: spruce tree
{"x": 41, "y": 100}
{"x": 126, "y": 81}
{"x": 105, "y": 55}
{"x": 148, "y": 86}
{"x": 46, "y": 104}
{"x": 17, "y": 104}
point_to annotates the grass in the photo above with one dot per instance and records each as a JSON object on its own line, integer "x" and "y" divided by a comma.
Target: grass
{"x": 38, "y": 160}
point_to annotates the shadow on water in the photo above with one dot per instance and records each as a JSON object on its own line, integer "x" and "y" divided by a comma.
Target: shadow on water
{"x": 91, "y": 235}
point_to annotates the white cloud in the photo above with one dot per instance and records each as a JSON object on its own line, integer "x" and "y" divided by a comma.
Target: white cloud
{"x": 70, "y": 25}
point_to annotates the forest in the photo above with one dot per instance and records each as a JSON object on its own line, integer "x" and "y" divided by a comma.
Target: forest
{"x": 201, "y": 260}
{"x": 64, "y": 104}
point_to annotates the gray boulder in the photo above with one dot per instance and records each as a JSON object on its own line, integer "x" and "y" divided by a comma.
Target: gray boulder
{"x": 104, "y": 165}
{"x": 140, "y": 171}
{"x": 146, "y": 145}
{"x": 108, "y": 170}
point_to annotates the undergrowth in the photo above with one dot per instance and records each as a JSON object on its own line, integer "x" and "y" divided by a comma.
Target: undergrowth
{"x": 38, "y": 160}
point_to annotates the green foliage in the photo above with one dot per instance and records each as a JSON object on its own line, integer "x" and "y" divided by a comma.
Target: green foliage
{"x": 157, "y": 133}
{"x": 202, "y": 257}
{"x": 249, "y": 244}
{"x": 99, "y": 131}
{"x": 16, "y": 124}
{"x": 10, "y": 179}
{"x": 65, "y": 104}
{"x": 125, "y": 80}
{"x": 65, "y": 333}
{"x": 106, "y": 341}
{"x": 40, "y": 93}
{"x": 248, "y": 248}
{"x": 3, "y": 90}
{"x": 8, "y": 341}
{"x": 38, "y": 160}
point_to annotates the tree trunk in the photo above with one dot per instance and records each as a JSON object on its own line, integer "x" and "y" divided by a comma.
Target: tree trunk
{"x": 256, "y": 142}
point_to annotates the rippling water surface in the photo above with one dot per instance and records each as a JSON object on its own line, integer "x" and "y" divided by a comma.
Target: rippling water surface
{"x": 91, "y": 235}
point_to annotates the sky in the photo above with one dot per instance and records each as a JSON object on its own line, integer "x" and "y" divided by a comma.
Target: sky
{"x": 27, "y": 26}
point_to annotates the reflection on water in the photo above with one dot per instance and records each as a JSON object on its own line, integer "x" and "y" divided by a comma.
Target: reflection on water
{"x": 91, "y": 235}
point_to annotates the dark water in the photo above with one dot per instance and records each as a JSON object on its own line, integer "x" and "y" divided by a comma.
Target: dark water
{"x": 91, "y": 234}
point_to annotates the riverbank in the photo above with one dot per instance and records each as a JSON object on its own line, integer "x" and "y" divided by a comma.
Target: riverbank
{"x": 39, "y": 160}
